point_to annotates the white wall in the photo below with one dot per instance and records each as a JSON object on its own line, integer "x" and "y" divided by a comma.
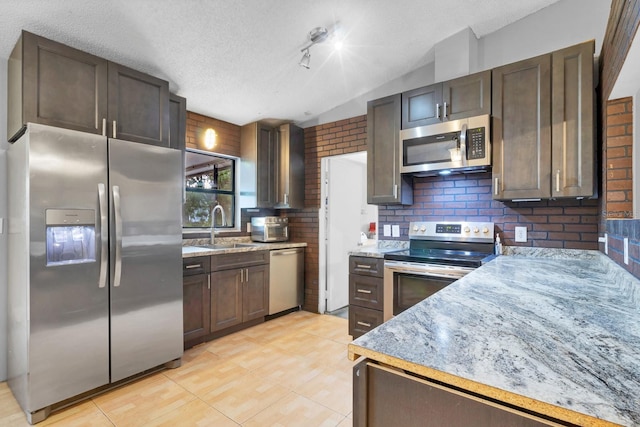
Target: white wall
{"x": 3, "y": 214}
{"x": 560, "y": 25}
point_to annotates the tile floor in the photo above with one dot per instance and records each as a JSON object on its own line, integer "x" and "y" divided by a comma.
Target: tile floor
{"x": 290, "y": 371}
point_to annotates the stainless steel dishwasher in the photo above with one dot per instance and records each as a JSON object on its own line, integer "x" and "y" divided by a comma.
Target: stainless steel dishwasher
{"x": 286, "y": 279}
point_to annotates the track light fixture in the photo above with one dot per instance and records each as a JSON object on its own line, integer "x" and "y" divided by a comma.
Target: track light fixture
{"x": 317, "y": 35}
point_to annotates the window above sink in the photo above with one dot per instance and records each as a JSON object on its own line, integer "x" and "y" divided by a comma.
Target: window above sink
{"x": 210, "y": 180}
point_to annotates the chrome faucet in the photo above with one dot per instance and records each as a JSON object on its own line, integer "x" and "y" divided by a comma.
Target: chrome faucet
{"x": 213, "y": 220}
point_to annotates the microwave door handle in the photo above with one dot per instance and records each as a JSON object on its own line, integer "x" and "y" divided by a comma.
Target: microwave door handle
{"x": 463, "y": 144}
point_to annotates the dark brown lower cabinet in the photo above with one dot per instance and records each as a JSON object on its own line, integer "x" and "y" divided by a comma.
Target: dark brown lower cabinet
{"x": 385, "y": 397}
{"x": 239, "y": 288}
{"x": 195, "y": 306}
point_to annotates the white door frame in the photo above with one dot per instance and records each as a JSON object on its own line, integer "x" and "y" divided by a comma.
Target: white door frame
{"x": 322, "y": 228}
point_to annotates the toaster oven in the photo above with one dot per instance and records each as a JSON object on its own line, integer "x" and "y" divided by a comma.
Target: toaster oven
{"x": 269, "y": 229}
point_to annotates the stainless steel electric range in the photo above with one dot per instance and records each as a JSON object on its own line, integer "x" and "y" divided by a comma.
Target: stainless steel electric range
{"x": 439, "y": 254}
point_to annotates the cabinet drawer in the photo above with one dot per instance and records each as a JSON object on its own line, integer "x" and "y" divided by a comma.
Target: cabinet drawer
{"x": 238, "y": 260}
{"x": 195, "y": 265}
{"x": 366, "y": 265}
{"x": 366, "y": 291}
{"x": 362, "y": 320}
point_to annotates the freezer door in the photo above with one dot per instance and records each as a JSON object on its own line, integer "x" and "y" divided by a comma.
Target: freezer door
{"x": 68, "y": 351}
{"x": 146, "y": 256}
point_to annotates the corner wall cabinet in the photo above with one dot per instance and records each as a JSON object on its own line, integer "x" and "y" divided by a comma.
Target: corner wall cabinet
{"x": 366, "y": 294}
{"x": 54, "y": 84}
{"x": 385, "y": 184}
{"x": 450, "y": 100}
{"x": 272, "y": 174}
{"x": 543, "y": 126}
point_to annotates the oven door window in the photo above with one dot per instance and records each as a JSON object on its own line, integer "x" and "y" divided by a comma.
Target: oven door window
{"x": 410, "y": 289}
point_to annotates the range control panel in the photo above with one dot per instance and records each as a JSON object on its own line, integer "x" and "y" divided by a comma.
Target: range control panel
{"x": 452, "y": 231}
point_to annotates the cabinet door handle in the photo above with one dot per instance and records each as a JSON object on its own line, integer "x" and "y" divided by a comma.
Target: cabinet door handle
{"x": 495, "y": 186}
{"x": 395, "y": 191}
{"x": 193, "y": 266}
{"x": 114, "y": 129}
{"x": 208, "y": 281}
{"x": 444, "y": 115}
{"x": 242, "y": 275}
{"x": 363, "y": 291}
{"x": 558, "y": 181}
{"x": 366, "y": 325}
{"x": 368, "y": 267}
{"x": 104, "y": 127}
{"x": 437, "y": 111}
{"x": 247, "y": 275}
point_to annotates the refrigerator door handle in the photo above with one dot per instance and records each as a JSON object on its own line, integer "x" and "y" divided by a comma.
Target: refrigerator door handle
{"x": 118, "y": 235}
{"x": 104, "y": 235}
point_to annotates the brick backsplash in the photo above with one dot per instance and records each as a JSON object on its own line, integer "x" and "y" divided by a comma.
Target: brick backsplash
{"x": 562, "y": 223}
{"x": 617, "y": 157}
{"x": 617, "y": 230}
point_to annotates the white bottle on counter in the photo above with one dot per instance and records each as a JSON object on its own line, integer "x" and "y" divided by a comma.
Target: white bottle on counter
{"x": 498, "y": 245}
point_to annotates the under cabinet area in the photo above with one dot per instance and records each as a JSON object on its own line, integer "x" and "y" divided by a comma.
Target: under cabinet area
{"x": 366, "y": 294}
{"x": 384, "y": 396}
{"x": 56, "y": 85}
{"x": 543, "y": 126}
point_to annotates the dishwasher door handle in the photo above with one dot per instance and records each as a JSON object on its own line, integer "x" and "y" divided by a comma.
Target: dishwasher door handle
{"x": 285, "y": 252}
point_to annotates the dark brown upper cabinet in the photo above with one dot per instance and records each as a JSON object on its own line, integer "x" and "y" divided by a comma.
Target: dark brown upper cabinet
{"x": 385, "y": 184}
{"x": 54, "y": 84}
{"x": 177, "y": 122}
{"x": 543, "y": 126}
{"x": 451, "y": 100}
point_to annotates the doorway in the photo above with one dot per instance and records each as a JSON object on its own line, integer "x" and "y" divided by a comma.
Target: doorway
{"x": 344, "y": 216}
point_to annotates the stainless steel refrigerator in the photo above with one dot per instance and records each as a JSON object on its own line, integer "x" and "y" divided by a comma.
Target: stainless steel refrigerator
{"x": 95, "y": 263}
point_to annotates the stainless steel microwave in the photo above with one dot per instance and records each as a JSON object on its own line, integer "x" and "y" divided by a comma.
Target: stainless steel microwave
{"x": 269, "y": 229}
{"x": 455, "y": 146}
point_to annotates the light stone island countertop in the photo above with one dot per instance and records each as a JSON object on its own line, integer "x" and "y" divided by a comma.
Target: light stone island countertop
{"x": 555, "y": 332}
{"x": 191, "y": 249}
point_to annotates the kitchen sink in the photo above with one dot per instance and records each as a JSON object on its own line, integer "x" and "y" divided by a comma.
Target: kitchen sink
{"x": 228, "y": 245}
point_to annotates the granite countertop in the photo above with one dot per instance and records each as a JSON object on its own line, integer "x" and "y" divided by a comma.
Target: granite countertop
{"x": 558, "y": 335}
{"x": 379, "y": 248}
{"x": 192, "y": 250}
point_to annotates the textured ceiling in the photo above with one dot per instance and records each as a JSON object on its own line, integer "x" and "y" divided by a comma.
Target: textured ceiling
{"x": 237, "y": 60}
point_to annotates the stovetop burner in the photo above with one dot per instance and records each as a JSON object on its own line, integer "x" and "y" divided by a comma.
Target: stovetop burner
{"x": 447, "y": 243}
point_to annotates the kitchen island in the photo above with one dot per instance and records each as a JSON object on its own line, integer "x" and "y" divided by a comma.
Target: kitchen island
{"x": 556, "y": 336}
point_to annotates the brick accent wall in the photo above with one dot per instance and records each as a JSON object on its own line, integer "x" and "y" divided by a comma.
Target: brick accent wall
{"x": 564, "y": 223}
{"x": 330, "y": 139}
{"x": 617, "y": 156}
{"x": 228, "y": 134}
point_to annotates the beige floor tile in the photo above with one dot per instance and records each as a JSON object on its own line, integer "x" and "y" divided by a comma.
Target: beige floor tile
{"x": 347, "y": 422}
{"x": 294, "y": 410}
{"x": 235, "y": 377}
{"x": 206, "y": 373}
{"x": 243, "y": 398}
{"x": 231, "y": 345}
{"x": 330, "y": 388}
{"x": 143, "y": 401}
{"x": 194, "y": 413}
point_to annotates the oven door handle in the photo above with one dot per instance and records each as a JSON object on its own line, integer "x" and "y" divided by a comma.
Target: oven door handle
{"x": 456, "y": 273}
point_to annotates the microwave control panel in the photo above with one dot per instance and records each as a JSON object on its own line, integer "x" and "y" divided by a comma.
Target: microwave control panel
{"x": 476, "y": 144}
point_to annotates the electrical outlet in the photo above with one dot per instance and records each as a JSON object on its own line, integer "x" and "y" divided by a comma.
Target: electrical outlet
{"x": 395, "y": 231}
{"x": 248, "y": 227}
{"x": 386, "y": 230}
{"x": 521, "y": 234}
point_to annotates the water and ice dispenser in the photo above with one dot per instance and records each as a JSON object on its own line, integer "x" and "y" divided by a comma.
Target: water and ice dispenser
{"x": 71, "y": 236}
